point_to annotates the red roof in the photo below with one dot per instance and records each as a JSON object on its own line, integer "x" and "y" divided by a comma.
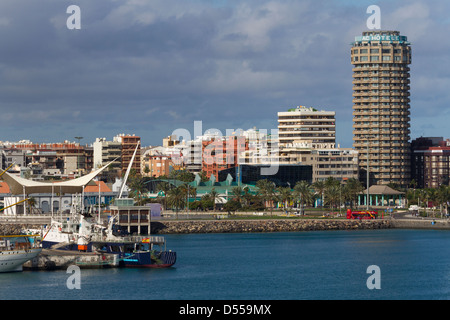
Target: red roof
{"x": 103, "y": 187}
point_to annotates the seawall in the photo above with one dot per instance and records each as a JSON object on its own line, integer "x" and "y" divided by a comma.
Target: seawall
{"x": 437, "y": 224}
{"x": 269, "y": 225}
{"x": 236, "y": 226}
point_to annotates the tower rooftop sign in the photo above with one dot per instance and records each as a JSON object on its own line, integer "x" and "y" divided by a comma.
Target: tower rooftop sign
{"x": 379, "y": 36}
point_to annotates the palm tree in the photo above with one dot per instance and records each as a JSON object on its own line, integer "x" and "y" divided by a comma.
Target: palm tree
{"x": 442, "y": 197}
{"x": 247, "y": 196}
{"x": 237, "y": 193}
{"x": 431, "y": 196}
{"x": 214, "y": 196}
{"x": 32, "y": 204}
{"x": 164, "y": 187}
{"x": 332, "y": 186}
{"x": 333, "y": 195}
{"x": 137, "y": 187}
{"x": 177, "y": 199}
{"x": 193, "y": 193}
{"x": 285, "y": 195}
{"x": 302, "y": 191}
{"x": 319, "y": 188}
{"x": 351, "y": 190}
{"x": 267, "y": 192}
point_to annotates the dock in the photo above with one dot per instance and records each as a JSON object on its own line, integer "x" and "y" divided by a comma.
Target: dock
{"x": 50, "y": 259}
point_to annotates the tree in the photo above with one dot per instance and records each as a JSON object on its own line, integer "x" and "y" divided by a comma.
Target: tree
{"x": 32, "y": 204}
{"x": 232, "y": 206}
{"x": 177, "y": 199}
{"x": 285, "y": 195}
{"x": 333, "y": 195}
{"x": 214, "y": 196}
{"x": 351, "y": 190}
{"x": 164, "y": 187}
{"x": 206, "y": 202}
{"x": 333, "y": 191}
{"x": 443, "y": 198}
{"x": 319, "y": 188}
{"x": 137, "y": 186}
{"x": 267, "y": 192}
{"x": 237, "y": 193}
{"x": 182, "y": 175}
{"x": 248, "y": 197}
{"x": 303, "y": 193}
{"x": 193, "y": 192}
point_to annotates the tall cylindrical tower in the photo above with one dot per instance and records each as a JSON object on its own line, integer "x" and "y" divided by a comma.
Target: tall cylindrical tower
{"x": 381, "y": 105}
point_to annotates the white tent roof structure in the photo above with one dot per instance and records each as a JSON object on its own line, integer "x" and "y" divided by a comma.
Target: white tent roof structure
{"x": 18, "y": 185}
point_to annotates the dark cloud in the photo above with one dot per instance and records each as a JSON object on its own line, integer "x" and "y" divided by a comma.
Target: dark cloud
{"x": 150, "y": 67}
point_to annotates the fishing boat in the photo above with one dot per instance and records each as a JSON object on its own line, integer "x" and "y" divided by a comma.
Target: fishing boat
{"x": 83, "y": 232}
{"x": 15, "y": 250}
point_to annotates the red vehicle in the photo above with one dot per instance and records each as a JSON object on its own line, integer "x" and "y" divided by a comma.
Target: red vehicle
{"x": 362, "y": 215}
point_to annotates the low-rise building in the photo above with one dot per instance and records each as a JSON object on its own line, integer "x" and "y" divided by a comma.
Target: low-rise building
{"x": 338, "y": 163}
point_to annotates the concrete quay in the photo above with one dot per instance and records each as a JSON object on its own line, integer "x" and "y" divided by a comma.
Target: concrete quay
{"x": 429, "y": 223}
{"x": 59, "y": 259}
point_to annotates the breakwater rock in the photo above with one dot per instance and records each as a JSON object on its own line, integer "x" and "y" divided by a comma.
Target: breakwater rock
{"x": 237, "y": 226}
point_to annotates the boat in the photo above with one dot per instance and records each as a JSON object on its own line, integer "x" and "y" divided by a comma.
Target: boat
{"x": 82, "y": 232}
{"x": 15, "y": 250}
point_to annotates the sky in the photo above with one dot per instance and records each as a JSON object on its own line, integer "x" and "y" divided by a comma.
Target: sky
{"x": 150, "y": 67}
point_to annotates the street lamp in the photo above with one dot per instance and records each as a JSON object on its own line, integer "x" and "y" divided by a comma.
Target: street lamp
{"x": 367, "y": 171}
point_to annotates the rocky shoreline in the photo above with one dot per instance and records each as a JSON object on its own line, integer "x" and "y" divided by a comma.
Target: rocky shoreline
{"x": 239, "y": 226}
{"x": 268, "y": 225}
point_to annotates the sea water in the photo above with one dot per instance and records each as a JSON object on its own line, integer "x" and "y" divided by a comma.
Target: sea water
{"x": 413, "y": 264}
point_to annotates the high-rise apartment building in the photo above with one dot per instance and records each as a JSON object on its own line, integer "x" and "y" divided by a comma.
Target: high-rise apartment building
{"x": 302, "y": 129}
{"x": 381, "y": 110}
{"x": 129, "y": 144}
{"x": 106, "y": 152}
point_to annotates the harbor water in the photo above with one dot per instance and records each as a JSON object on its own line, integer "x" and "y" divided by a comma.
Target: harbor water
{"x": 413, "y": 264}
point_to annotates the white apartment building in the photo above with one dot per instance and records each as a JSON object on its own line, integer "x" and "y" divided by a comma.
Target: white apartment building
{"x": 107, "y": 151}
{"x": 307, "y": 125}
{"x": 303, "y": 129}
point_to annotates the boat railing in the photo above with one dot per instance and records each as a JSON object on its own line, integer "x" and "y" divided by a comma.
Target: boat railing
{"x": 149, "y": 239}
{"x": 136, "y": 239}
{"x": 19, "y": 242}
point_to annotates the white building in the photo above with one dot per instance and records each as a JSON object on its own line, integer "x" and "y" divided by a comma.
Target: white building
{"x": 307, "y": 125}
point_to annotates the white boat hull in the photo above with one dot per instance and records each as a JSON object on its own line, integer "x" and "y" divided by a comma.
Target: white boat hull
{"x": 13, "y": 260}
